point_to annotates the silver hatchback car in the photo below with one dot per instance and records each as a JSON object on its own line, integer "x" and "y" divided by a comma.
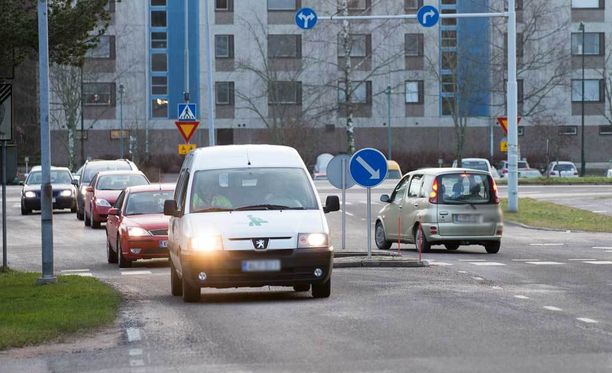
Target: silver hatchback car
{"x": 442, "y": 206}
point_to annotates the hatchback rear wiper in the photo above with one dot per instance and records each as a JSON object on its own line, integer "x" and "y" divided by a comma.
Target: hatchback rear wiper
{"x": 268, "y": 207}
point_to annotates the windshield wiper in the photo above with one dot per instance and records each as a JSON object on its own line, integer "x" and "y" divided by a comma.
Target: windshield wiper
{"x": 213, "y": 209}
{"x": 268, "y": 207}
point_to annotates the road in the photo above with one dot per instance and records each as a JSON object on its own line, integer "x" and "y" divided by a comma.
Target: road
{"x": 542, "y": 304}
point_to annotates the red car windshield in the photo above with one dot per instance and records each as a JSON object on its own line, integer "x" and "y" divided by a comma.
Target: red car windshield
{"x": 147, "y": 202}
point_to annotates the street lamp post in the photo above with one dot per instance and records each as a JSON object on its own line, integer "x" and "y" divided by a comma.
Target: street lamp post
{"x": 582, "y": 161}
{"x": 389, "y": 138}
{"x": 82, "y": 120}
{"x": 121, "y": 91}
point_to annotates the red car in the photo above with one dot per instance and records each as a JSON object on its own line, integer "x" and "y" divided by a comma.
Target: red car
{"x": 137, "y": 227}
{"x": 103, "y": 191}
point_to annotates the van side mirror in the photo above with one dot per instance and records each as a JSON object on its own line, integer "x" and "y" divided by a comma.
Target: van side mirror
{"x": 170, "y": 207}
{"x": 332, "y": 203}
{"x": 385, "y": 198}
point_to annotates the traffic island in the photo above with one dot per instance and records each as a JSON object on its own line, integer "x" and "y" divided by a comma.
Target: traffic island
{"x": 378, "y": 261}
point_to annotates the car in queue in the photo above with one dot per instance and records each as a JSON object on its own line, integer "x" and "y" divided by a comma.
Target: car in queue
{"x": 521, "y": 166}
{"x": 89, "y": 170}
{"x": 561, "y": 169}
{"x": 248, "y": 216}
{"x": 320, "y": 168}
{"x": 136, "y": 227}
{"x": 103, "y": 190}
{"x": 63, "y": 192}
{"x": 442, "y": 206}
{"x": 393, "y": 170}
{"x": 478, "y": 164}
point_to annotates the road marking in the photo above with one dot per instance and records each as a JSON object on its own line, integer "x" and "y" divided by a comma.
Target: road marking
{"x": 607, "y": 251}
{"x": 598, "y": 262}
{"x": 136, "y": 363}
{"x": 464, "y": 272}
{"x": 478, "y": 278}
{"x": 580, "y": 260}
{"x": 129, "y": 273}
{"x": 552, "y": 308}
{"x": 544, "y": 263}
{"x": 546, "y": 244}
{"x": 598, "y": 211}
{"x": 497, "y": 287}
{"x": 487, "y": 264}
{"x": 587, "y": 320}
{"x": 82, "y": 274}
{"x": 133, "y": 334}
{"x": 525, "y": 260}
{"x": 603, "y": 247}
{"x": 135, "y": 351}
{"x": 521, "y": 297}
{"x": 349, "y": 214}
{"x": 441, "y": 264}
{"x": 472, "y": 260}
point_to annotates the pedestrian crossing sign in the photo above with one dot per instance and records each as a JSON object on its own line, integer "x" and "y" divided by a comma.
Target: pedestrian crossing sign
{"x": 187, "y": 111}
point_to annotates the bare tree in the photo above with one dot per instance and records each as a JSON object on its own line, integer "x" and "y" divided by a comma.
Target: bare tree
{"x": 606, "y": 76}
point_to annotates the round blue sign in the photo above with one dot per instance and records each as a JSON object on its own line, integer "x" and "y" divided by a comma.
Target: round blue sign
{"x": 368, "y": 167}
{"x": 428, "y": 15}
{"x": 306, "y": 18}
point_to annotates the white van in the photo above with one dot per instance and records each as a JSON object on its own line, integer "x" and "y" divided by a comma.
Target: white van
{"x": 248, "y": 215}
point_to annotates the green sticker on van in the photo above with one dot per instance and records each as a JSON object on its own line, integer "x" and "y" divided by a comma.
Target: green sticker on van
{"x": 255, "y": 221}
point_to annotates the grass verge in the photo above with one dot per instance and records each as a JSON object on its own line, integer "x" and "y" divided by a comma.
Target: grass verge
{"x": 596, "y": 180}
{"x": 544, "y": 214}
{"x": 32, "y": 314}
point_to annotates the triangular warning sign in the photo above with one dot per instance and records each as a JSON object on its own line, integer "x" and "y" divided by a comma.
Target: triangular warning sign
{"x": 187, "y": 129}
{"x": 503, "y": 123}
{"x": 187, "y": 114}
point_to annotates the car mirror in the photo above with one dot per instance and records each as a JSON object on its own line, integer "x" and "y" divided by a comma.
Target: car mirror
{"x": 385, "y": 198}
{"x": 332, "y": 203}
{"x": 21, "y": 182}
{"x": 170, "y": 208}
{"x": 114, "y": 211}
{"x": 89, "y": 189}
{"x": 75, "y": 182}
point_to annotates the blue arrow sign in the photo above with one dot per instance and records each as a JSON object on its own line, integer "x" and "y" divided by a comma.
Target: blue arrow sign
{"x": 187, "y": 112}
{"x": 368, "y": 167}
{"x": 428, "y": 16}
{"x": 306, "y": 18}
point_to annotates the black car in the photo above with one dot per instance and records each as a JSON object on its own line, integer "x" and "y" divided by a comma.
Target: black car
{"x": 90, "y": 169}
{"x": 64, "y": 193}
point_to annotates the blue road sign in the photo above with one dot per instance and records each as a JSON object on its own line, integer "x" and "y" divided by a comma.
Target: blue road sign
{"x": 306, "y": 18}
{"x": 368, "y": 167}
{"x": 428, "y": 16}
{"x": 187, "y": 112}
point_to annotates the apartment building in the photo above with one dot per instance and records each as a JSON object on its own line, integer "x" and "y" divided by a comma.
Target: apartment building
{"x": 274, "y": 82}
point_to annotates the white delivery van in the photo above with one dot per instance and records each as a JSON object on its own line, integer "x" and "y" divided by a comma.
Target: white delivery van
{"x": 248, "y": 215}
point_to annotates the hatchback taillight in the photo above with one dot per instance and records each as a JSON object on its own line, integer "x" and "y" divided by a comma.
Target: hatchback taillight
{"x": 433, "y": 196}
{"x": 495, "y": 194}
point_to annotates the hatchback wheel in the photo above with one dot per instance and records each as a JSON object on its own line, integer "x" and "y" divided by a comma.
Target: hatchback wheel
{"x": 451, "y": 246}
{"x": 380, "y": 237}
{"x": 176, "y": 286}
{"x": 421, "y": 241}
{"x": 492, "y": 247}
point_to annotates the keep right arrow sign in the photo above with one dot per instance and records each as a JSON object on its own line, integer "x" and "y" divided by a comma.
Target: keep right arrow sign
{"x": 503, "y": 122}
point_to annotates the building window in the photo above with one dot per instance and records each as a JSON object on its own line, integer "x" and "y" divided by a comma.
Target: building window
{"x": 592, "y": 90}
{"x": 449, "y": 39}
{"x": 359, "y": 44}
{"x": 413, "y": 44}
{"x": 593, "y": 44}
{"x": 605, "y": 130}
{"x": 356, "y": 4}
{"x": 159, "y": 85}
{"x": 222, "y": 5}
{"x": 158, "y": 2}
{"x": 224, "y": 46}
{"x": 519, "y": 45}
{"x": 518, "y": 5}
{"x": 587, "y": 4}
{"x": 99, "y": 94}
{"x": 281, "y": 5}
{"x": 449, "y": 2}
{"x": 361, "y": 92}
{"x": 448, "y": 21}
{"x": 159, "y": 62}
{"x": 449, "y": 60}
{"x": 414, "y": 92}
{"x": 411, "y": 6}
{"x": 448, "y": 84}
{"x": 285, "y": 92}
{"x": 159, "y": 107}
{"x": 158, "y": 18}
{"x": 105, "y": 49}
{"x": 159, "y": 40}
{"x": 284, "y": 46}
{"x": 568, "y": 130}
{"x": 224, "y": 93}
{"x": 448, "y": 105}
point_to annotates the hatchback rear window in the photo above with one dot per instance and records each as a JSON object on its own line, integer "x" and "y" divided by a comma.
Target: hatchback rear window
{"x": 120, "y": 182}
{"x": 564, "y": 167}
{"x": 465, "y": 188}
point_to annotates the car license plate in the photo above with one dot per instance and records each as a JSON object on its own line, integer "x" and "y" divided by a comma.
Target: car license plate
{"x": 261, "y": 265}
{"x": 163, "y": 243}
{"x": 467, "y": 218}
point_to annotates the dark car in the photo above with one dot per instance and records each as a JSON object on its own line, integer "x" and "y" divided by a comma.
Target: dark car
{"x": 64, "y": 193}
{"x": 90, "y": 169}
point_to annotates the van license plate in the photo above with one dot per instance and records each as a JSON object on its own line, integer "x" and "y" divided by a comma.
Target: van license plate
{"x": 261, "y": 265}
{"x": 467, "y": 218}
{"x": 163, "y": 244}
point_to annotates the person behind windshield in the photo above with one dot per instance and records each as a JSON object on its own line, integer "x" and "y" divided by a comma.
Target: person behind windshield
{"x": 209, "y": 196}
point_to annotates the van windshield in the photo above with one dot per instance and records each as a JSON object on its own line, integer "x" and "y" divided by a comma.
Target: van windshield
{"x": 465, "y": 188}
{"x": 251, "y": 189}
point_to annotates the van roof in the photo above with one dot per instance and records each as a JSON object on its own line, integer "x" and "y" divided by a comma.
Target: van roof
{"x": 240, "y": 156}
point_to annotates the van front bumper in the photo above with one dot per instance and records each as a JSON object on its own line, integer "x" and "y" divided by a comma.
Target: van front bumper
{"x": 224, "y": 269}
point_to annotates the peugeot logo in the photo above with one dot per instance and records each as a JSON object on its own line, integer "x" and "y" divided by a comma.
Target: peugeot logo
{"x": 260, "y": 243}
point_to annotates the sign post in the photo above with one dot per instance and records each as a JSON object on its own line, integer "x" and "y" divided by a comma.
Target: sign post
{"x": 338, "y": 176}
{"x": 6, "y": 134}
{"x": 368, "y": 168}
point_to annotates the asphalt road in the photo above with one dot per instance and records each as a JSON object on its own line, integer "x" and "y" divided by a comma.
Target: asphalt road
{"x": 542, "y": 304}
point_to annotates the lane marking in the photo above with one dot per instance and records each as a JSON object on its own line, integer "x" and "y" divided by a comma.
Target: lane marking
{"x": 349, "y": 214}
{"x": 521, "y": 297}
{"x": 488, "y": 264}
{"x": 464, "y": 272}
{"x": 472, "y": 260}
{"x": 546, "y": 244}
{"x": 544, "y": 263}
{"x": 441, "y": 264}
{"x": 525, "y": 260}
{"x": 552, "y": 308}
{"x": 136, "y": 363}
{"x": 607, "y": 251}
{"x": 478, "y": 278}
{"x": 497, "y": 287}
{"x": 603, "y": 247}
{"x": 128, "y": 273}
{"x": 587, "y": 320}
{"x": 133, "y": 334}
{"x": 580, "y": 260}
{"x": 598, "y": 262}
{"x": 135, "y": 351}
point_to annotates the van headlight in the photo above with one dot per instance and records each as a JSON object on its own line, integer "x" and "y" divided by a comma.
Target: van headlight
{"x": 306, "y": 240}
{"x": 207, "y": 243}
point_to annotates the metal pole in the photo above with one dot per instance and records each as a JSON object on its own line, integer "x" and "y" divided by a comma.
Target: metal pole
{"x": 582, "y": 161}
{"x": 512, "y": 111}
{"x": 389, "y": 138}
{"x": 369, "y": 223}
{"x": 186, "y": 54}
{"x": 46, "y": 216}
{"x": 343, "y": 203}
{"x": 209, "y": 76}
{"x": 121, "y": 90}
{"x": 4, "y": 247}
{"x": 82, "y": 122}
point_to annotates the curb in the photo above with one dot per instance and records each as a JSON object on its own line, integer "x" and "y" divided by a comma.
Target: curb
{"x": 517, "y": 224}
{"x": 381, "y": 262}
{"x": 348, "y": 254}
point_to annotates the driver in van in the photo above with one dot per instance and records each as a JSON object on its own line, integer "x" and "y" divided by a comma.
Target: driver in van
{"x": 210, "y": 196}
